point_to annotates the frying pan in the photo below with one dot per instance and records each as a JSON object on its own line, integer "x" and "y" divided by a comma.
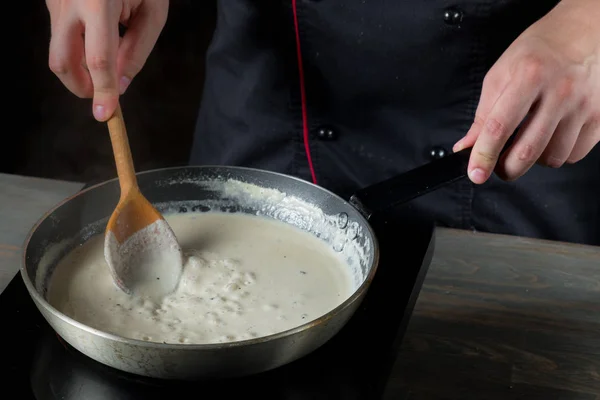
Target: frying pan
{"x": 343, "y": 225}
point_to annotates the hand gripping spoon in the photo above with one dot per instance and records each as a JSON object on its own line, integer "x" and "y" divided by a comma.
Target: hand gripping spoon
{"x": 139, "y": 246}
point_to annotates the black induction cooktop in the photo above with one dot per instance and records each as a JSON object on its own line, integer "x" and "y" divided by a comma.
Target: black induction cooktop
{"x": 355, "y": 364}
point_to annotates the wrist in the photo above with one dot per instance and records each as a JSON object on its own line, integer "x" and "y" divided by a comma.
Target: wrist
{"x": 576, "y": 24}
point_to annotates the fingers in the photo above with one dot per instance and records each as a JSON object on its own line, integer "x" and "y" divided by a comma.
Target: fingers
{"x": 530, "y": 141}
{"x": 587, "y": 140}
{"x": 101, "y": 46}
{"x": 506, "y": 114}
{"x": 491, "y": 90}
{"x": 66, "y": 57}
{"x": 562, "y": 142}
{"x": 88, "y": 55}
{"x": 141, "y": 36}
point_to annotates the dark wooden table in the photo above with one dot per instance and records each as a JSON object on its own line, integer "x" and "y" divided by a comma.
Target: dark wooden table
{"x": 499, "y": 317}
{"x": 502, "y": 317}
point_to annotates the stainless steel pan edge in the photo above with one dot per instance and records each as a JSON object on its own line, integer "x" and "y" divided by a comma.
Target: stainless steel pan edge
{"x": 181, "y": 361}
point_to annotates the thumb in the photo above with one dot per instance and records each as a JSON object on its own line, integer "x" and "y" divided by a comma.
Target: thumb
{"x": 471, "y": 137}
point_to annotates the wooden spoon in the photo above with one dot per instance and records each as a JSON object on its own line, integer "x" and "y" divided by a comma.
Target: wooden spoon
{"x": 139, "y": 246}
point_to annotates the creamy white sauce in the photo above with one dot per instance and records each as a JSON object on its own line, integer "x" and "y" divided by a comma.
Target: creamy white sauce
{"x": 244, "y": 277}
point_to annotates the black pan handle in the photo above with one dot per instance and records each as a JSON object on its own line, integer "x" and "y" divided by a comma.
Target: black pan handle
{"x": 414, "y": 183}
{"x": 409, "y": 185}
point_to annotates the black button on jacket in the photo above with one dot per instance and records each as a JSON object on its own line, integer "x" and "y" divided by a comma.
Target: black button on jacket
{"x": 350, "y": 92}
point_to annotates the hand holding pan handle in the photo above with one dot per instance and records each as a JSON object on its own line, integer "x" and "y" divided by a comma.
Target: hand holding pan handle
{"x": 414, "y": 183}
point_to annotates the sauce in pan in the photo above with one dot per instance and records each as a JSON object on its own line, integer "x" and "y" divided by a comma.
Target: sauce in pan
{"x": 244, "y": 277}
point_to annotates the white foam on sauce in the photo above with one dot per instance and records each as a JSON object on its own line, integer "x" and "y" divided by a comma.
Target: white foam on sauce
{"x": 343, "y": 235}
{"x": 244, "y": 277}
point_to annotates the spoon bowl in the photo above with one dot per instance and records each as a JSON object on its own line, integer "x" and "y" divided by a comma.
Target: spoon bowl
{"x": 140, "y": 248}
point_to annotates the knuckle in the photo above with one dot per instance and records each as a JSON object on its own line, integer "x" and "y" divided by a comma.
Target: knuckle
{"x": 496, "y": 129}
{"x": 526, "y": 153}
{"x": 585, "y": 103}
{"x": 485, "y": 156}
{"x": 58, "y": 65}
{"x": 478, "y": 124}
{"x": 98, "y": 63}
{"x": 592, "y": 127}
{"x": 105, "y": 91}
{"x": 490, "y": 80}
{"x": 565, "y": 88}
{"x": 479, "y": 120}
{"x": 552, "y": 161}
{"x": 533, "y": 67}
{"x": 595, "y": 120}
{"x": 542, "y": 133}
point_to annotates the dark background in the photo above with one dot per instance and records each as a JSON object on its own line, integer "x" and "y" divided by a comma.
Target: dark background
{"x": 55, "y": 134}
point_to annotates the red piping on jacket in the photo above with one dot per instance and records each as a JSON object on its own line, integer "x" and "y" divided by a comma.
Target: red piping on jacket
{"x": 303, "y": 97}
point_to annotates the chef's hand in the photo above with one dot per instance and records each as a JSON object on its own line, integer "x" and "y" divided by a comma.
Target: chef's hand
{"x": 549, "y": 76}
{"x": 87, "y": 54}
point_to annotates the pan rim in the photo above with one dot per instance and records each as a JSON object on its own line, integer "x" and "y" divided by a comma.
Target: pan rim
{"x": 356, "y": 294}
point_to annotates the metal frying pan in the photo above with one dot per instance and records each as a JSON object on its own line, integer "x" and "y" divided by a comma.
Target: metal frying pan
{"x": 342, "y": 224}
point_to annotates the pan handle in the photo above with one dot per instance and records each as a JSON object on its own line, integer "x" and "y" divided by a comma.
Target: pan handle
{"x": 409, "y": 185}
{"x": 416, "y": 182}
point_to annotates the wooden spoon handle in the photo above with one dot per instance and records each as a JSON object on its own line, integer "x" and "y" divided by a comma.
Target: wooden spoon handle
{"x": 122, "y": 152}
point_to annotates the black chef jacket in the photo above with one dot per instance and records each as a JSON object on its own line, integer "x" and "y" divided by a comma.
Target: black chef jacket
{"x": 347, "y": 93}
